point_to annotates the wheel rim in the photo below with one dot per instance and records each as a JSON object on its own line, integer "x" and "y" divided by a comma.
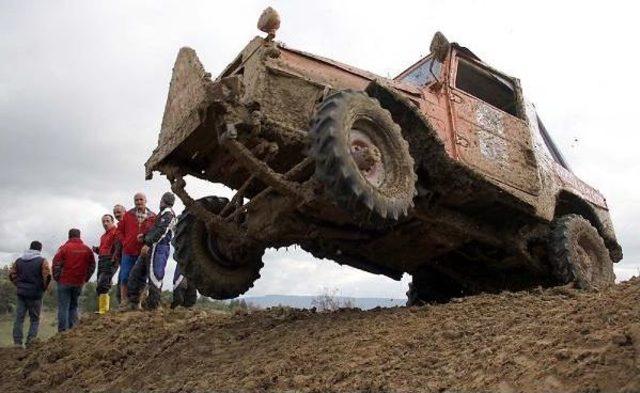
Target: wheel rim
{"x": 211, "y": 245}
{"x": 367, "y": 157}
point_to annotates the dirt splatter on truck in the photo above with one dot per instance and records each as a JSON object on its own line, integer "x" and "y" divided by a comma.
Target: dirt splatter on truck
{"x": 445, "y": 172}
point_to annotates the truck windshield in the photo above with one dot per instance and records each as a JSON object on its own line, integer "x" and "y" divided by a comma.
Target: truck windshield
{"x": 421, "y": 76}
{"x": 555, "y": 153}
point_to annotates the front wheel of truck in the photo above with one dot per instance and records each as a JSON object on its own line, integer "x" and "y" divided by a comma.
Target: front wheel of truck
{"x": 200, "y": 258}
{"x": 578, "y": 254}
{"x": 362, "y": 158}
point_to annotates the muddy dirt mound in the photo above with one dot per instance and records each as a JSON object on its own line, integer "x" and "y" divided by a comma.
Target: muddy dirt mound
{"x": 551, "y": 340}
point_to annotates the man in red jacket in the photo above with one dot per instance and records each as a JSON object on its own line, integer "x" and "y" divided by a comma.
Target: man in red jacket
{"x": 106, "y": 264}
{"x": 118, "y": 213}
{"x": 134, "y": 224}
{"x": 73, "y": 265}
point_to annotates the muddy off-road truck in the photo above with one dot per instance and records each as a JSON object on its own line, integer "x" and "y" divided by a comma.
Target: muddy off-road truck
{"x": 445, "y": 172}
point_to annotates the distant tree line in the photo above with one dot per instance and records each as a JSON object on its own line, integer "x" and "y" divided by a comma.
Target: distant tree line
{"x": 329, "y": 300}
{"x": 326, "y": 301}
{"x": 88, "y": 299}
{"x": 8, "y": 294}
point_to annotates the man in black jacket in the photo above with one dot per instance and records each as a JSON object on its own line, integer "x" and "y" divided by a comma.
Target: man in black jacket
{"x": 31, "y": 274}
{"x": 152, "y": 262}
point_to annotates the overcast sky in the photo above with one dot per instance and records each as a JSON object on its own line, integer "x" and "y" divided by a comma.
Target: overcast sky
{"x": 83, "y": 86}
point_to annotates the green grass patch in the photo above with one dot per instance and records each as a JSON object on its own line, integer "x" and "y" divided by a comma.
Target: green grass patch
{"x": 48, "y": 327}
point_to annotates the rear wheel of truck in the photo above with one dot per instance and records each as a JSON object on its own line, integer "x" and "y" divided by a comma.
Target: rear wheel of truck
{"x": 362, "y": 158}
{"x": 578, "y": 254}
{"x": 198, "y": 254}
{"x": 430, "y": 286}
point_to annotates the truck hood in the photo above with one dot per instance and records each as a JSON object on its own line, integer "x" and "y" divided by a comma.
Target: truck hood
{"x": 405, "y": 87}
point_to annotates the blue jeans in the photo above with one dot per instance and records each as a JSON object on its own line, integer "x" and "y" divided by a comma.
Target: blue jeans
{"x": 33, "y": 306}
{"x": 126, "y": 263}
{"x": 67, "y": 306}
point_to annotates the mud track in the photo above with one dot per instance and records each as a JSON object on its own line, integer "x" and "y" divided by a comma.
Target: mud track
{"x": 552, "y": 340}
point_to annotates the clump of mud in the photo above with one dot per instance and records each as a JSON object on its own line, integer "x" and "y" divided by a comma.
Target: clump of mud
{"x": 538, "y": 341}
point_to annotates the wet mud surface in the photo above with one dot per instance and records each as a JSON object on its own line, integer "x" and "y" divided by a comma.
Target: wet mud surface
{"x": 536, "y": 341}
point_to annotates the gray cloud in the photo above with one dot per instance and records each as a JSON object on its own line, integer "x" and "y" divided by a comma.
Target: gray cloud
{"x": 83, "y": 86}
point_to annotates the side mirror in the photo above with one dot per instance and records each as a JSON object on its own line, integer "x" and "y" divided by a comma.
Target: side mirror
{"x": 439, "y": 47}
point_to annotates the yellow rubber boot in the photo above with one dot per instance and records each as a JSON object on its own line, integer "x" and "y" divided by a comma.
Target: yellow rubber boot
{"x": 107, "y": 301}
{"x": 102, "y": 307}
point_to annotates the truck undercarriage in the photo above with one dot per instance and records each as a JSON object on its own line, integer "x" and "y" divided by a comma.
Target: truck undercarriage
{"x": 347, "y": 196}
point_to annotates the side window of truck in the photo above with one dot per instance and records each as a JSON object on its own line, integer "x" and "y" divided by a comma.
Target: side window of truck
{"x": 421, "y": 75}
{"x": 487, "y": 86}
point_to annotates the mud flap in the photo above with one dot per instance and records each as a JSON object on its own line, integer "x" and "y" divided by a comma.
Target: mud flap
{"x": 191, "y": 92}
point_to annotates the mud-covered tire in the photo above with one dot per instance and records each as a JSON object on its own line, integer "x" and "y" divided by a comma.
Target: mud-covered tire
{"x": 190, "y": 295}
{"x": 413, "y": 296}
{"x": 362, "y": 158}
{"x": 429, "y": 286}
{"x": 578, "y": 254}
{"x": 204, "y": 266}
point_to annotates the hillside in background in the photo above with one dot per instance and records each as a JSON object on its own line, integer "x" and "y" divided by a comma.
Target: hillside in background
{"x": 363, "y": 303}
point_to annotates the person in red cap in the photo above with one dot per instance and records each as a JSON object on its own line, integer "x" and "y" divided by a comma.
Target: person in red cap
{"x": 73, "y": 265}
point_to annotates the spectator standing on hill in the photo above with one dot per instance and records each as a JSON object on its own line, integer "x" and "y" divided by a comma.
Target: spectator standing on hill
{"x": 106, "y": 263}
{"x": 134, "y": 224}
{"x": 154, "y": 254}
{"x": 118, "y": 213}
{"x": 73, "y": 265}
{"x": 31, "y": 274}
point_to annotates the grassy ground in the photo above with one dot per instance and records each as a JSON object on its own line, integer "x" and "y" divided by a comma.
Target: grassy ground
{"x": 48, "y": 327}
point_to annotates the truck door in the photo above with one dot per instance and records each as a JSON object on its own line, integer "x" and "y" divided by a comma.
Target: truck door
{"x": 490, "y": 132}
